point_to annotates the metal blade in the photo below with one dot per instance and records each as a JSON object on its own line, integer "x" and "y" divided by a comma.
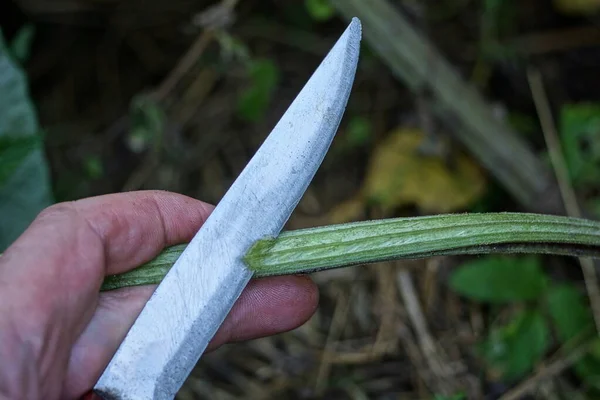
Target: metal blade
{"x": 194, "y": 298}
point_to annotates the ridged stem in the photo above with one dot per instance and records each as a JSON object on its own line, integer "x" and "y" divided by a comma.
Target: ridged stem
{"x": 334, "y": 246}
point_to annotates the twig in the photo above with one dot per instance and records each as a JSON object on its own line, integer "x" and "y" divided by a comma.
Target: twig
{"x": 184, "y": 65}
{"x": 338, "y": 322}
{"x": 430, "y": 290}
{"x": 422, "y": 68}
{"x": 567, "y": 192}
{"x": 551, "y": 137}
{"x": 386, "y": 308}
{"x": 413, "y": 307}
{"x": 548, "y": 391}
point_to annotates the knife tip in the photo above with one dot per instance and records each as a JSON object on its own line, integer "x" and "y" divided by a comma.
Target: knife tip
{"x": 355, "y": 30}
{"x": 353, "y": 36}
{"x": 356, "y": 25}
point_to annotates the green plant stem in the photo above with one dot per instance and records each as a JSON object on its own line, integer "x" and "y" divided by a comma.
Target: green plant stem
{"x": 334, "y": 246}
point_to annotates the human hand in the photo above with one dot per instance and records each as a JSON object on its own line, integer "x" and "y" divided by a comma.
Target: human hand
{"x": 58, "y": 332}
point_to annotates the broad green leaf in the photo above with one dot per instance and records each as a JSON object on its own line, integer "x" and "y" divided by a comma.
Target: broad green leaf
{"x": 498, "y": 279}
{"x": 20, "y": 46}
{"x": 320, "y": 10}
{"x": 513, "y": 350}
{"x": 580, "y": 136}
{"x": 569, "y": 311}
{"x": 254, "y": 101}
{"x": 26, "y": 190}
{"x": 574, "y": 323}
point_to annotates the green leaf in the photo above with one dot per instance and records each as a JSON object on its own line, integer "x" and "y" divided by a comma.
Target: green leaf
{"x": 320, "y": 10}
{"x": 254, "y": 101}
{"x": 498, "y": 279}
{"x": 232, "y": 48}
{"x": 574, "y": 323}
{"x": 148, "y": 122}
{"x": 93, "y": 167}
{"x": 25, "y": 191}
{"x": 513, "y": 350}
{"x": 20, "y": 47}
{"x": 570, "y": 313}
{"x": 580, "y": 136}
{"x": 359, "y": 131}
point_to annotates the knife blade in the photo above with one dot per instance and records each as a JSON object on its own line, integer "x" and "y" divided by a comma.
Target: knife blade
{"x": 187, "y": 308}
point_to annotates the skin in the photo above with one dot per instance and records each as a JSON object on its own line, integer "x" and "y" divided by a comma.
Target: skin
{"x": 58, "y": 332}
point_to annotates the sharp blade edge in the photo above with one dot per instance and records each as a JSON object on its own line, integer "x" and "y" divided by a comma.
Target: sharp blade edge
{"x": 190, "y": 304}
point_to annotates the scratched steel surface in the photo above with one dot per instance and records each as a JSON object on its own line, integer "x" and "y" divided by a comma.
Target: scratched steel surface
{"x": 191, "y": 303}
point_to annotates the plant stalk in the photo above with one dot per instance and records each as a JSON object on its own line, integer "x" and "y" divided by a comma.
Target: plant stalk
{"x": 309, "y": 250}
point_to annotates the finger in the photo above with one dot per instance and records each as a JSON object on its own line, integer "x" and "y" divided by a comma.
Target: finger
{"x": 266, "y": 306}
{"x": 64, "y": 254}
{"x": 269, "y": 306}
{"x": 50, "y": 276}
{"x": 134, "y": 227}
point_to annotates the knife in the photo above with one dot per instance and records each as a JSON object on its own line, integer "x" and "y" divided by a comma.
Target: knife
{"x": 190, "y": 304}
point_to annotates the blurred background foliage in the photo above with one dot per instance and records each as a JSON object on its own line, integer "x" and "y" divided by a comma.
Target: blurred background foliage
{"x": 102, "y": 96}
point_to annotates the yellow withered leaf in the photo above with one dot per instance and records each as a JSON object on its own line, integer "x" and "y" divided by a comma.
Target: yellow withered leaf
{"x": 400, "y": 175}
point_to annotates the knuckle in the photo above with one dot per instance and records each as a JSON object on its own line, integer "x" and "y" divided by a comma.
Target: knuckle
{"x": 57, "y": 211}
